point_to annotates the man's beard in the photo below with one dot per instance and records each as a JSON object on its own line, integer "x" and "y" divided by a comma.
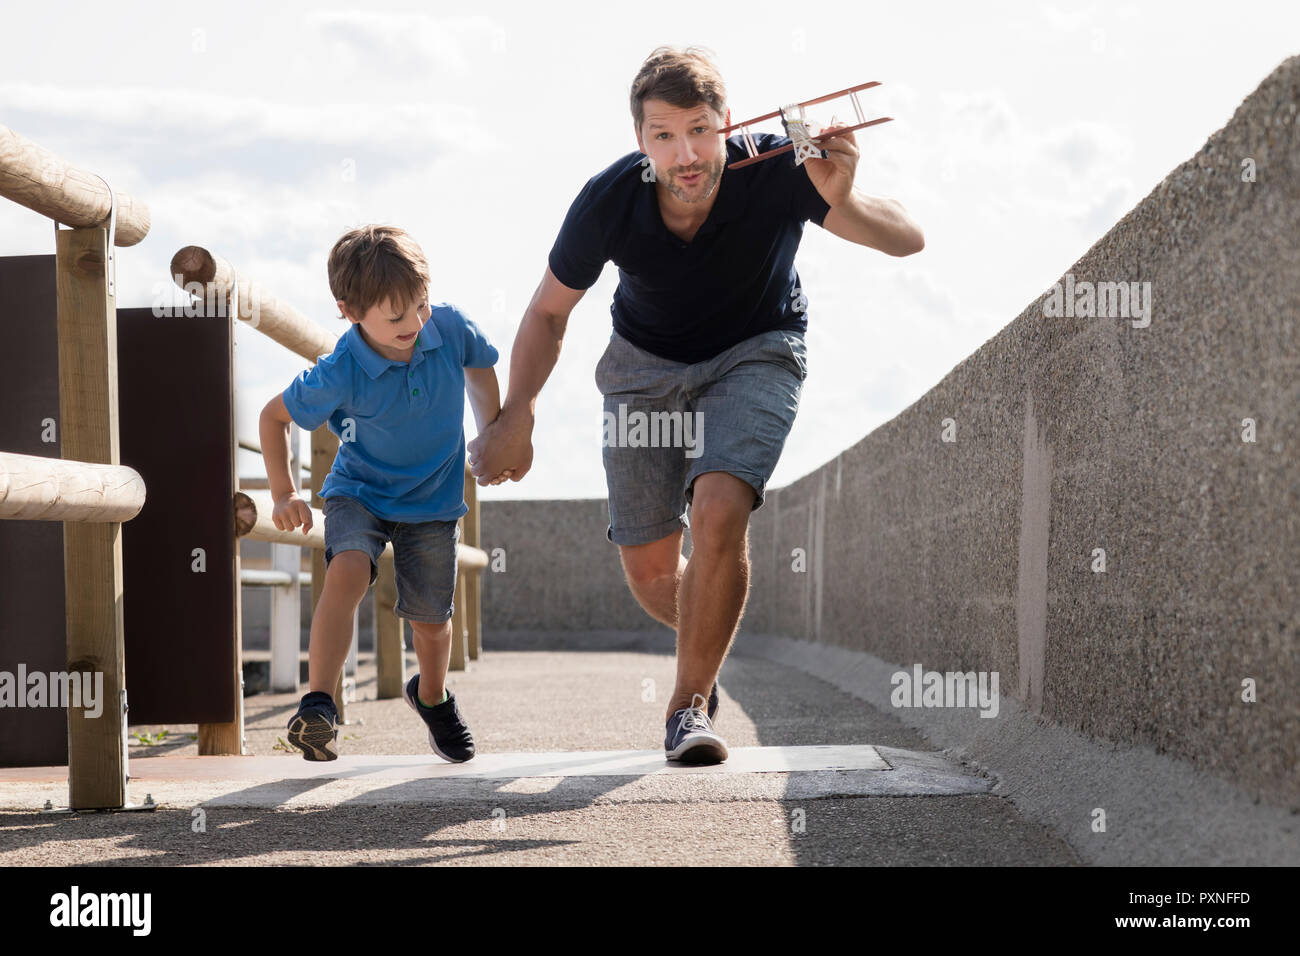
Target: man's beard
{"x": 711, "y": 176}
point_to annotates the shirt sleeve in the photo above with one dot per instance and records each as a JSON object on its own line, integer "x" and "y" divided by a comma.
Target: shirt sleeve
{"x": 579, "y": 254}
{"x": 478, "y": 351}
{"x": 807, "y": 202}
{"x": 317, "y": 393}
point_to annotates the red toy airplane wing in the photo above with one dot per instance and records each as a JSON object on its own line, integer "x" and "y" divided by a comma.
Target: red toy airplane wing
{"x": 803, "y": 141}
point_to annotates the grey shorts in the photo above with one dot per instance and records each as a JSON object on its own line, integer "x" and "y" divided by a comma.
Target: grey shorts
{"x": 666, "y": 423}
{"x": 424, "y": 555}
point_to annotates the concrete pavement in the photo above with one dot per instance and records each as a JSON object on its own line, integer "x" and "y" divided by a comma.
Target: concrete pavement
{"x": 567, "y": 773}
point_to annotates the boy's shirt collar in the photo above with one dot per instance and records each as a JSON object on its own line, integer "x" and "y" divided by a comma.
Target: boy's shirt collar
{"x": 375, "y": 364}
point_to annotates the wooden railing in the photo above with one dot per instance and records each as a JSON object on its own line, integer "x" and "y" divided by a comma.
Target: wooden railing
{"x": 93, "y": 493}
{"x": 67, "y": 490}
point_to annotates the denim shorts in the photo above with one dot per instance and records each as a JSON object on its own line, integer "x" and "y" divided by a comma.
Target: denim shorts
{"x": 666, "y": 423}
{"x": 424, "y": 555}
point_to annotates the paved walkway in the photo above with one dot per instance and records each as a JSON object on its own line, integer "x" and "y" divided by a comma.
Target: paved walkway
{"x": 569, "y": 771}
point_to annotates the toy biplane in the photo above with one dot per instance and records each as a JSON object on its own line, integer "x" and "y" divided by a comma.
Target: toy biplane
{"x": 805, "y": 136}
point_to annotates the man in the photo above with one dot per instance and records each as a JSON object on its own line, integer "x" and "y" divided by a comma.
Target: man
{"x": 708, "y": 324}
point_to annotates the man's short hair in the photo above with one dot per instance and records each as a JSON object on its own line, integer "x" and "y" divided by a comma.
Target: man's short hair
{"x": 681, "y": 78}
{"x": 373, "y": 263}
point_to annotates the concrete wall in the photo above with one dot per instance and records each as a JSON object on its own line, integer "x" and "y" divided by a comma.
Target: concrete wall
{"x": 560, "y": 571}
{"x": 1072, "y": 434}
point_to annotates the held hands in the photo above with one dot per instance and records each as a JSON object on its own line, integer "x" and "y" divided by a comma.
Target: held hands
{"x": 503, "y": 450}
{"x": 290, "y": 512}
{"x": 833, "y": 176}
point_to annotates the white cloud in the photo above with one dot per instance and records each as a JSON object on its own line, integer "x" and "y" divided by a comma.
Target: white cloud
{"x": 393, "y": 44}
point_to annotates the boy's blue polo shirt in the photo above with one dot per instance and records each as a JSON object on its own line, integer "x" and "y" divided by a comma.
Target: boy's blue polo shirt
{"x": 688, "y": 302}
{"x": 404, "y": 455}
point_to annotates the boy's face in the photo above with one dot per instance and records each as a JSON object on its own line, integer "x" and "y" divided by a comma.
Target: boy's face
{"x": 389, "y": 330}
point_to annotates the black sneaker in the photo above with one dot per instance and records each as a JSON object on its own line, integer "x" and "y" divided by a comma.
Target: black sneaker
{"x": 448, "y": 735}
{"x": 314, "y": 729}
{"x": 690, "y": 736}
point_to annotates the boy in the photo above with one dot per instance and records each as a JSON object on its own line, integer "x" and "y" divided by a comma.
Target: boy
{"x": 393, "y": 390}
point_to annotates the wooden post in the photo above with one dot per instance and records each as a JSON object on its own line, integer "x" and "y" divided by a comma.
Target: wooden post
{"x": 286, "y": 602}
{"x": 348, "y": 679}
{"x": 92, "y": 553}
{"x": 473, "y": 592}
{"x": 286, "y": 620}
{"x": 390, "y": 636}
{"x": 458, "y": 656}
{"x": 227, "y": 738}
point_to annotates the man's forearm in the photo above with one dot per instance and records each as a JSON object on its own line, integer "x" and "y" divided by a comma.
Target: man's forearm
{"x": 532, "y": 359}
{"x": 879, "y": 223}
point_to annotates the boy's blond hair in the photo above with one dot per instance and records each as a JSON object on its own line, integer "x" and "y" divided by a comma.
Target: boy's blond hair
{"x": 373, "y": 263}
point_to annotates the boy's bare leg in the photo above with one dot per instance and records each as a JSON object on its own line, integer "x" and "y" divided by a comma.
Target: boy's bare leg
{"x": 346, "y": 581}
{"x": 433, "y": 650}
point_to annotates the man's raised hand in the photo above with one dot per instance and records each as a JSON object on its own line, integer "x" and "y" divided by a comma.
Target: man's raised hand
{"x": 833, "y": 176}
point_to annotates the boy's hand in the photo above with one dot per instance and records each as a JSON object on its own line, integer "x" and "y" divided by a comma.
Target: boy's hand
{"x": 290, "y": 512}
{"x": 503, "y": 450}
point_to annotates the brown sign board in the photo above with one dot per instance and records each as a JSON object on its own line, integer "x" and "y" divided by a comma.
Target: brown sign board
{"x": 176, "y": 426}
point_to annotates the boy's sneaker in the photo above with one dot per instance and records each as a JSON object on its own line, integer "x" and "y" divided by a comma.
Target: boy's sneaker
{"x": 713, "y": 702}
{"x": 314, "y": 729}
{"x": 690, "y": 736}
{"x": 448, "y": 735}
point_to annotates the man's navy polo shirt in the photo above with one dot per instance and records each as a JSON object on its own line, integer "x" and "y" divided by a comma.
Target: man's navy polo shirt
{"x": 404, "y": 456}
{"x": 688, "y": 302}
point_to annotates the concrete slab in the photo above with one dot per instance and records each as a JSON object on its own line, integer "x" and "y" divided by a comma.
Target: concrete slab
{"x": 622, "y": 763}
{"x": 573, "y": 778}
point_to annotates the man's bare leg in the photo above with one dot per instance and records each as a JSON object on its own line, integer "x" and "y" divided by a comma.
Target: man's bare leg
{"x": 711, "y": 597}
{"x": 654, "y": 574}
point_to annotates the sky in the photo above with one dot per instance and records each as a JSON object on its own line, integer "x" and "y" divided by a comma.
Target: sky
{"x": 1022, "y": 132}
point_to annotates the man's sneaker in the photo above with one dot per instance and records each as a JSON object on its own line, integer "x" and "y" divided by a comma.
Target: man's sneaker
{"x": 448, "y": 735}
{"x": 690, "y": 736}
{"x": 314, "y": 729}
{"x": 713, "y": 702}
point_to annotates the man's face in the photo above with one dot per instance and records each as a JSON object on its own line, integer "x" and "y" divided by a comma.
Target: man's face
{"x": 688, "y": 152}
{"x": 388, "y": 328}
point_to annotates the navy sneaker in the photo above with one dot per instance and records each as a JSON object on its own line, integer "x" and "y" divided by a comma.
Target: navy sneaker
{"x": 448, "y": 735}
{"x": 690, "y": 736}
{"x": 314, "y": 729}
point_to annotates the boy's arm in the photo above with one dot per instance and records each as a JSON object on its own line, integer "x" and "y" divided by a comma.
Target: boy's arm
{"x": 484, "y": 395}
{"x": 273, "y": 428}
